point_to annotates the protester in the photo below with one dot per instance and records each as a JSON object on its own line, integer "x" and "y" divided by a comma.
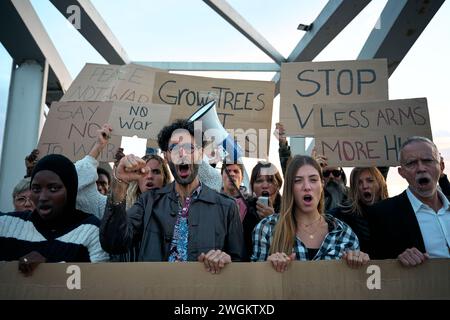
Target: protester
{"x": 232, "y": 176}
{"x": 301, "y": 230}
{"x": 414, "y": 225}
{"x": 55, "y": 230}
{"x": 103, "y": 181}
{"x": 159, "y": 218}
{"x": 22, "y": 196}
{"x": 265, "y": 180}
{"x": 367, "y": 186}
{"x": 336, "y": 191}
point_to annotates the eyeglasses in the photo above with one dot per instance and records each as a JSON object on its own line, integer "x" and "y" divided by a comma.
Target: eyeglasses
{"x": 21, "y": 200}
{"x": 335, "y": 173}
{"x": 187, "y": 147}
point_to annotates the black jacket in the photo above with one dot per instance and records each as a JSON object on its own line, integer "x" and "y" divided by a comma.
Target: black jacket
{"x": 393, "y": 228}
{"x": 213, "y": 224}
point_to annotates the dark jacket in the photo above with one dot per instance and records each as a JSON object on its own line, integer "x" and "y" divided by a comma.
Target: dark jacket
{"x": 393, "y": 228}
{"x": 213, "y": 224}
{"x": 250, "y": 221}
{"x": 358, "y": 223}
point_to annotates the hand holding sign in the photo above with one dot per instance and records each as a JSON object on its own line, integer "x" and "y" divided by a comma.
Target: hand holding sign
{"x": 103, "y": 136}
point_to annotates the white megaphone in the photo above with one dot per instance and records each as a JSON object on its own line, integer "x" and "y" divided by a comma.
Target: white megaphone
{"x": 214, "y": 131}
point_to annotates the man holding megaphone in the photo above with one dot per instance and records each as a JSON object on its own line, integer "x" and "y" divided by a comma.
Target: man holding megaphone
{"x": 183, "y": 221}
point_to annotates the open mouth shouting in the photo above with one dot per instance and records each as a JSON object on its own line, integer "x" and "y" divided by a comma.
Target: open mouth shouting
{"x": 183, "y": 170}
{"x": 44, "y": 210}
{"x": 423, "y": 181}
{"x": 308, "y": 199}
{"x": 367, "y": 196}
{"x": 149, "y": 185}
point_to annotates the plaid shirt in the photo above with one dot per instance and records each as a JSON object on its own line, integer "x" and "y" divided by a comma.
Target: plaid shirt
{"x": 339, "y": 239}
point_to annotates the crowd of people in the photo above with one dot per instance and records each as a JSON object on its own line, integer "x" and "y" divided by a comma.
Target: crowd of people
{"x": 135, "y": 212}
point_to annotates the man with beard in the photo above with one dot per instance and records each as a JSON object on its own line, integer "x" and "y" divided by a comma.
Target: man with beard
{"x": 414, "y": 225}
{"x": 183, "y": 221}
{"x": 335, "y": 188}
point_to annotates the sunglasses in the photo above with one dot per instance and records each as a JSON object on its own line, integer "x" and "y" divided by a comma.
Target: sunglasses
{"x": 335, "y": 173}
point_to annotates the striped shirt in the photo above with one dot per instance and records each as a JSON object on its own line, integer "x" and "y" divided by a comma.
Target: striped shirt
{"x": 78, "y": 241}
{"x": 339, "y": 239}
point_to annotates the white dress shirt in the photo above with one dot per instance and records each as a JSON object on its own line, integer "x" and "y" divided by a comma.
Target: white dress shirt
{"x": 434, "y": 226}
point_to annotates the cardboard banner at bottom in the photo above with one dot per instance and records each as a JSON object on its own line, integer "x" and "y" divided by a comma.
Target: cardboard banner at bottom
{"x": 380, "y": 279}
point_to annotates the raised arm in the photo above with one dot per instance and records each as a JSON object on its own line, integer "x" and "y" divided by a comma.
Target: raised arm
{"x": 119, "y": 227}
{"x": 88, "y": 198}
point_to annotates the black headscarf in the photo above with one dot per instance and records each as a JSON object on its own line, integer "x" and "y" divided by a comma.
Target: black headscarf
{"x": 66, "y": 171}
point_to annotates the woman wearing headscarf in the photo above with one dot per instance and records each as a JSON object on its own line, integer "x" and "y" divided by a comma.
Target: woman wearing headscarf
{"x": 55, "y": 230}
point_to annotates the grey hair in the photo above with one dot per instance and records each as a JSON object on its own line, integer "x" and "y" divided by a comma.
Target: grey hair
{"x": 413, "y": 139}
{"x": 22, "y": 186}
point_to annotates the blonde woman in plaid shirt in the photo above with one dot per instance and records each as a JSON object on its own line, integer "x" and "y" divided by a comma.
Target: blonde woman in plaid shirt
{"x": 302, "y": 231}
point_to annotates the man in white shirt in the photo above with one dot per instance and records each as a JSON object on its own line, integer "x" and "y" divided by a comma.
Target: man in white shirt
{"x": 414, "y": 225}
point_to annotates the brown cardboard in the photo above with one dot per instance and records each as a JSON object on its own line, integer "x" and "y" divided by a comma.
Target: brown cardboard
{"x": 238, "y": 281}
{"x": 304, "y": 84}
{"x": 368, "y": 133}
{"x": 243, "y": 106}
{"x": 138, "y": 119}
{"x": 71, "y": 130}
{"x": 104, "y": 82}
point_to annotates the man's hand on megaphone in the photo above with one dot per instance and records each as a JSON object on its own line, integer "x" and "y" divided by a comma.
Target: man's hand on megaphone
{"x": 130, "y": 168}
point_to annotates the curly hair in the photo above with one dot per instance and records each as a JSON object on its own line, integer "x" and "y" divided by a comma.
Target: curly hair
{"x": 166, "y": 133}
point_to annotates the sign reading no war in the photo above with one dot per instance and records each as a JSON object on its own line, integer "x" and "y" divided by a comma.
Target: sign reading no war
{"x": 71, "y": 130}
{"x": 137, "y": 119}
{"x": 306, "y": 83}
{"x": 370, "y": 133}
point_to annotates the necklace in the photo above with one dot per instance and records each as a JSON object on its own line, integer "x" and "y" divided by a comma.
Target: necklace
{"x": 305, "y": 227}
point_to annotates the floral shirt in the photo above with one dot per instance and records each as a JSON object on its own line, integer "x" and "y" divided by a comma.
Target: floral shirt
{"x": 179, "y": 244}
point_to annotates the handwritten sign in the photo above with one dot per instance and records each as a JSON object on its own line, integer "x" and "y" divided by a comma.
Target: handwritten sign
{"x": 306, "y": 83}
{"x": 71, "y": 130}
{"x": 99, "y": 82}
{"x": 135, "y": 119}
{"x": 243, "y": 106}
{"x": 369, "y": 133}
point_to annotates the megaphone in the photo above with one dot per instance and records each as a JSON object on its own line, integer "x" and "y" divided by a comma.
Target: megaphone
{"x": 213, "y": 130}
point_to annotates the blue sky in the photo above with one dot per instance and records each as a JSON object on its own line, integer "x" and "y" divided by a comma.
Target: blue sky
{"x": 174, "y": 30}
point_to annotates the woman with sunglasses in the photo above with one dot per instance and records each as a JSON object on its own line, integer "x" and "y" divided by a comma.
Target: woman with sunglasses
{"x": 301, "y": 230}
{"x": 265, "y": 181}
{"x": 367, "y": 187}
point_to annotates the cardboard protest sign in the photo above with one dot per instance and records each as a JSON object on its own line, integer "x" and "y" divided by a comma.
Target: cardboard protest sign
{"x": 100, "y": 82}
{"x": 306, "y": 83}
{"x": 71, "y": 130}
{"x": 244, "y": 107}
{"x": 334, "y": 279}
{"x": 136, "y": 119}
{"x": 369, "y": 133}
